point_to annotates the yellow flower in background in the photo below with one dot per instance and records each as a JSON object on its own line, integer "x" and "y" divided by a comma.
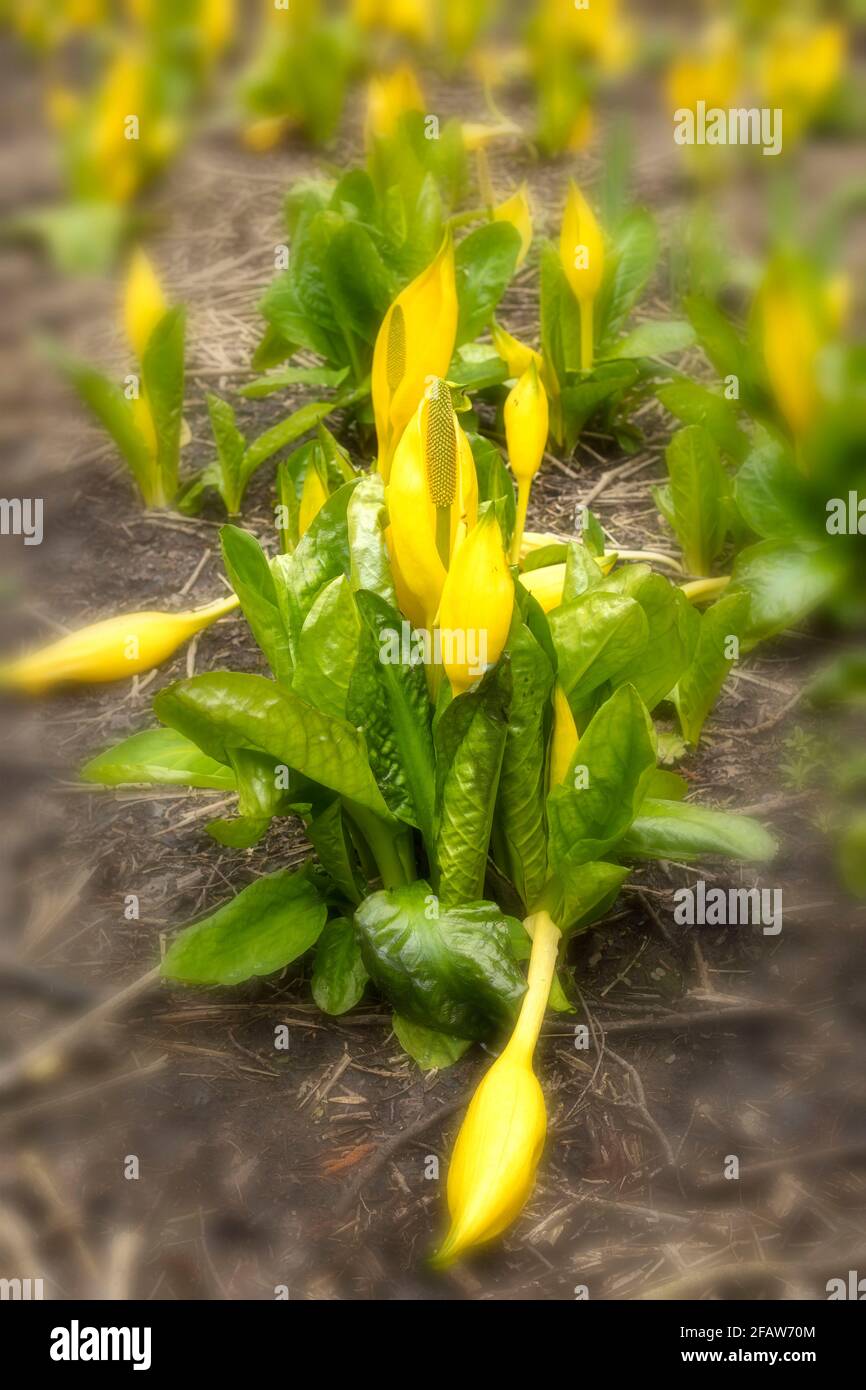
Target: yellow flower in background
{"x": 581, "y": 251}
{"x": 798, "y": 68}
{"x": 792, "y": 336}
{"x": 477, "y": 600}
{"x": 390, "y": 96}
{"x": 314, "y": 495}
{"x": 516, "y": 355}
{"x": 477, "y": 135}
{"x": 526, "y": 427}
{"x": 433, "y": 463}
{"x": 117, "y": 161}
{"x": 412, "y": 19}
{"x": 263, "y": 135}
{"x": 62, "y": 106}
{"x": 414, "y": 345}
{"x": 112, "y": 650}
{"x": 563, "y": 739}
{"x": 143, "y": 303}
{"x": 502, "y": 1136}
{"x": 217, "y": 20}
{"x": 516, "y": 210}
{"x": 84, "y": 14}
{"x": 712, "y": 76}
{"x": 545, "y": 584}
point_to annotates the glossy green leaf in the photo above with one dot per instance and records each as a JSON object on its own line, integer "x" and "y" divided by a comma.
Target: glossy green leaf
{"x": 595, "y": 637}
{"x": 162, "y": 374}
{"x": 265, "y": 927}
{"x": 250, "y": 575}
{"x": 484, "y": 263}
{"x": 109, "y": 406}
{"x": 582, "y": 573}
{"x": 231, "y": 447}
{"x": 774, "y": 499}
{"x": 327, "y": 649}
{"x": 699, "y": 489}
{"x": 339, "y": 975}
{"x": 320, "y": 556}
{"x": 293, "y": 376}
{"x": 579, "y": 894}
{"x": 615, "y": 759}
{"x": 327, "y": 833}
{"x": 432, "y": 1050}
{"x": 449, "y": 970}
{"x": 784, "y": 583}
{"x": 700, "y": 683}
{"x": 161, "y": 757}
{"x": 369, "y": 566}
{"x": 671, "y": 637}
{"x": 520, "y": 806}
{"x": 654, "y": 338}
{"x": 694, "y": 404}
{"x": 681, "y": 831}
{"x": 629, "y": 265}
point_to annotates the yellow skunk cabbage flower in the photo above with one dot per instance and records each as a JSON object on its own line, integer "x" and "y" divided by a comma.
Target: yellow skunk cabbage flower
{"x": 799, "y": 67}
{"x": 217, "y": 23}
{"x": 502, "y": 1136}
{"x": 143, "y": 302}
{"x": 112, "y": 650}
{"x": 581, "y": 251}
{"x": 433, "y": 463}
{"x": 545, "y": 585}
{"x": 263, "y": 135}
{"x": 711, "y": 76}
{"x": 414, "y": 344}
{"x": 516, "y": 355}
{"x": 791, "y": 338}
{"x": 526, "y": 427}
{"x": 389, "y": 96}
{"x": 314, "y": 495}
{"x": 516, "y": 210}
{"x": 410, "y": 18}
{"x": 477, "y": 601}
{"x": 563, "y": 740}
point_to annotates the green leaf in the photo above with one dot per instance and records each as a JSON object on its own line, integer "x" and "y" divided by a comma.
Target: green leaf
{"x": 773, "y": 497}
{"x": 327, "y": 649}
{"x": 225, "y": 710}
{"x": 162, "y": 374}
{"x": 81, "y": 237}
{"x": 285, "y": 432}
{"x": 520, "y": 806}
{"x": 495, "y": 484}
{"x": 699, "y": 685}
{"x": 655, "y": 338}
{"x": 369, "y": 566}
{"x": 616, "y": 757}
{"x": 267, "y": 925}
{"x": 388, "y": 700}
{"x": 292, "y": 376}
{"x": 250, "y": 576}
{"x": 320, "y": 556}
{"x": 326, "y": 832}
{"x": 784, "y": 584}
{"x": 109, "y": 406}
{"x": 595, "y": 637}
{"x": 484, "y": 262}
{"x": 582, "y": 573}
{"x": 628, "y": 268}
{"x": 699, "y": 488}
{"x": 694, "y": 404}
{"x": 470, "y": 742}
{"x": 449, "y": 970}
{"x": 231, "y": 447}
{"x": 579, "y": 894}
{"x": 718, "y": 338}
{"x": 339, "y": 976}
{"x": 671, "y": 636}
{"x": 666, "y": 786}
{"x": 360, "y": 285}
{"x": 560, "y": 315}
{"x": 433, "y": 1051}
{"x": 682, "y": 831}
{"x": 160, "y": 757}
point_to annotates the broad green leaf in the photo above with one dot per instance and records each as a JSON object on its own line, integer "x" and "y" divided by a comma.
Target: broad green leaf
{"x": 520, "y": 805}
{"x": 320, "y": 556}
{"x": 680, "y": 830}
{"x": 581, "y": 572}
{"x": 470, "y": 742}
{"x": 285, "y": 432}
{"x": 699, "y": 489}
{"x": 225, "y": 710}
{"x": 579, "y": 402}
{"x": 560, "y": 315}
{"x": 359, "y": 283}
{"x": 666, "y": 786}
{"x": 327, "y": 833}
{"x": 231, "y": 447}
{"x": 773, "y": 497}
{"x": 327, "y": 649}
{"x": 694, "y": 404}
{"x": 698, "y": 687}
{"x": 784, "y": 584}
{"x": 671, "y": 636}
{"x": 388, "y": 700}
{"x": 266, "y": 926}
{"x": 579, "y": 894}
{"x": 293, "y": 376}
{"x": 655, "y": 338}
{"x": 113, "y": 411}
{"x": 339, "y": 976}
{"x": 449, "y": 970}
{"x": 162, "y": 374}
{"x": 494, "y": 483}
{"x": 432, "y": 1050}
{"x": 484, "y": 264}
{"x": 595, "y": 637}
{"x": 718, "y": 338}
{"x": 250, "y": 575}
{"x": 615, "y": 758}
{"x": 161, "y": 757}
{"x": 259, "y": 800}
{"x": 369, "y": 566}
{"x": 628, "y": 268}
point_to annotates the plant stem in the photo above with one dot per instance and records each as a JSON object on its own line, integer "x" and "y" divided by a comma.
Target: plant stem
{"x": 383, "y": 845}
{"x": 586, "y": 335}
{"x": 523, "y": 489}
{"x": 546, "y": 937}
{"x": 701, "y": 590}
{"x": 443, "y": 534}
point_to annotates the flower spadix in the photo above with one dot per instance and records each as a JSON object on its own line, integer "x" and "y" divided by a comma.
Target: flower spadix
{"x": 501, "y": 1140}
{"x": 112, "y": 650}
{"x": 477, "y": 603}
{"x": 581, "y": 251}
{"x": 415, "y": 343}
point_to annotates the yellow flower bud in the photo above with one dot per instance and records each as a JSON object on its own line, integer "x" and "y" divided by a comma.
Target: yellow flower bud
{"x": 501, "y": 1139}
{"x": 111, "y": 650}
{"x": 526, "y": 424}
{"x": 217, "y": 20}
{"x": 563, "y": 739}
{"x": 792, "y": 338}
{"x": 144, "y": 304}
{"x": 581, "y": 247}
{"x": 477, "y": 599}
{"x": 314, "y": 495}
{"x": 545, "y": 585}
{"x": 516, "y": 355}
{"x": 516, "y": 210}
{"x": 414, "y": 344}
{"x": 389, "y": 96}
